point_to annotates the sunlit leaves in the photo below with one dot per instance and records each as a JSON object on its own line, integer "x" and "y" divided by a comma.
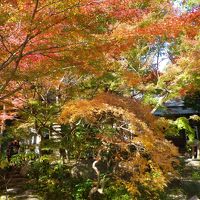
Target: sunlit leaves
{"x": 124, "y": 124}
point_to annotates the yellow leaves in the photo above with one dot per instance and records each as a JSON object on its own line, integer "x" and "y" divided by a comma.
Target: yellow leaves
{"x": 132, "y": 79}
{"x": 104, "y": 102}
{"x": 190, "y": 58}
{"x": 107, "y": 105}
{"x": 122, "y": 31}
{"x": 182, "y": 75}
{"x": 76, "y": 110}
{"x": 195, "y": 117}
{"x": 132, "y": 188}
{"x": 157, "y": 180}
{"x": 144, "y": 156}
{"x": 162, "y": 123}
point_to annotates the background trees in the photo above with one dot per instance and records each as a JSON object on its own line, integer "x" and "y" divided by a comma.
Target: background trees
{"x": 97, "y": 57}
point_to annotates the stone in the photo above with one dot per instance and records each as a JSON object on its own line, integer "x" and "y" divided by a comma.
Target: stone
{"x": 194, "y": 198}
{"x": 193, "y": 163}
{"x": 3, "y": 197}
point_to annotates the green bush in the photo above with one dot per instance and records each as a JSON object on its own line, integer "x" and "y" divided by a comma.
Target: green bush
{"x": 116, "y": 192}
{"x": 21, "y": 158}
{"x": 82, "y": 189}
{"x": 51, "y": 180}
{"x": 196, "y": 175}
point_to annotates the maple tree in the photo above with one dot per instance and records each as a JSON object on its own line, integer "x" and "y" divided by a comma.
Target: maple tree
{"x": 85, "y": 35}
{"x": 38, "y": 37}
{"x": 68, "y": 32}
{"x": 126, "y": 130}
{"x": 90, "y": 54}
{"x": 181, "y": 76}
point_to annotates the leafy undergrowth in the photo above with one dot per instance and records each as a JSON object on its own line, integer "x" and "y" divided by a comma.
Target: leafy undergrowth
{"x": 183, "y": 187}
{"x": 49, "y": 182}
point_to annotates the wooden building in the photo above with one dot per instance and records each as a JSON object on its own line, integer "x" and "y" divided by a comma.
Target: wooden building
{"x": 174, "y": 109}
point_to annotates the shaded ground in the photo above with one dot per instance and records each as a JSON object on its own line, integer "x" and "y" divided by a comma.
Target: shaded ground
{"x": 185, "y": 187}
{"x": 13, "y": 186}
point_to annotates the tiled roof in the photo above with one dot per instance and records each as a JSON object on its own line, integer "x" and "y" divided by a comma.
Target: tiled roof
{"x": 175, "y": 107}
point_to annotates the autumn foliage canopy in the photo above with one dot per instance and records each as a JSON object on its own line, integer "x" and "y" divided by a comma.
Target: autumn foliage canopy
{"x": 94, "y": 54}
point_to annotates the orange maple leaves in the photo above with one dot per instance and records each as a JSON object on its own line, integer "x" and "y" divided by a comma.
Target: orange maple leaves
{"x": 134, "y": 128}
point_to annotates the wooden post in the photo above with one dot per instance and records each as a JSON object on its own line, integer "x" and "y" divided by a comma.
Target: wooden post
{"x": 3, "y": 120}
{"x": 192, "y": 151}
{"x": 198, "y": 151}
{"x": 2, "y": 125}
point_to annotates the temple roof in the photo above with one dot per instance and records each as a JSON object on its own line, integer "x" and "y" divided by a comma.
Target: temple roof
{"x": 174, "y": 108}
